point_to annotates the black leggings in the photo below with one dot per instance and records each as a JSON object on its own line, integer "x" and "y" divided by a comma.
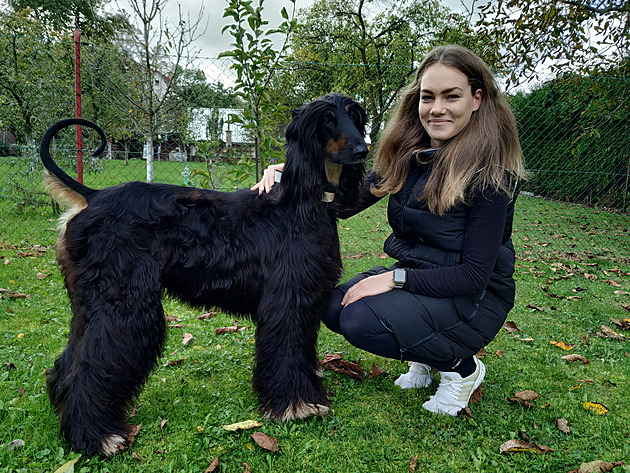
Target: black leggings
{"x": 360, "y": 326}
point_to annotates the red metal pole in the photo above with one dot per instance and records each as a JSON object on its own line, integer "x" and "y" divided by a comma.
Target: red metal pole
{"x": 77, "y": 90}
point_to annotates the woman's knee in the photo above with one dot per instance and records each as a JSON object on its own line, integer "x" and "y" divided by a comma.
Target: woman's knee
{"x": 333, "y": 310}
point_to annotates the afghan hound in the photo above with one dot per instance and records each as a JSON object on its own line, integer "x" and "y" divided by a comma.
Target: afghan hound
{"x": 273, "y": 257}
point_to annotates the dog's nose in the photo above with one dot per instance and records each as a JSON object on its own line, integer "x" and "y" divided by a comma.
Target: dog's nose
{"x": 360, "y": 151}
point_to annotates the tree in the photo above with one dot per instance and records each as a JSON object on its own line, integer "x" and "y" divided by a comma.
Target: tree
{"x": 34, "y": 79}
{"x": 164, "y": 50}
{"x": 256, "y": 61}
{"x": 578, "y": 35}
{"x": 89, "y": 16}
{"x": 375, "y": 47}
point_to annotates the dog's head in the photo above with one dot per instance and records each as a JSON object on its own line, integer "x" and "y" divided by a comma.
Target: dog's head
{"x": 326, "y": 147}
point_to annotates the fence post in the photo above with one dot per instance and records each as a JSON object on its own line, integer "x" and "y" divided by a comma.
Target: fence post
{"x": 77, "y": 91}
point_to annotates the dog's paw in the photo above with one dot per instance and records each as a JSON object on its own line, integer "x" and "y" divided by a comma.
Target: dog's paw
{"x": 112, "y": 445}
{"x": 300, "y": 410}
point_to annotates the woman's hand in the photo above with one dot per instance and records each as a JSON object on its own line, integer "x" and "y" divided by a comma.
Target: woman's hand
{"x": 268, "y": 179}
{"x": 370, "y": 286}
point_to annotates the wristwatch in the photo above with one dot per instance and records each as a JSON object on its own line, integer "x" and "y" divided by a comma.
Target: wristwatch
{"x": 400, "y": 278}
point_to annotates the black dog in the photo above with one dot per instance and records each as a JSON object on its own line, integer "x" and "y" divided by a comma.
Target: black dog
{"x": 273, "y": 257}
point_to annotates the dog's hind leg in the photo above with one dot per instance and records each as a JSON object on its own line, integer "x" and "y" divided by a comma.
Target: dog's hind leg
{"x": 116, "y": 337}
{"x": 287, "y": 375}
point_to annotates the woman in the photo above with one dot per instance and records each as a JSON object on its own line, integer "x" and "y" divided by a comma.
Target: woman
{"x": 450, "y": 160}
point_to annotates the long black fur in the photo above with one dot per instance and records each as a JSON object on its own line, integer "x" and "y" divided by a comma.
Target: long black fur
{"x": 273, "y": 257}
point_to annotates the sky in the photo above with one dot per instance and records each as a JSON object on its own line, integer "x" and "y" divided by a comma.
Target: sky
{"x": 213, "y": 42}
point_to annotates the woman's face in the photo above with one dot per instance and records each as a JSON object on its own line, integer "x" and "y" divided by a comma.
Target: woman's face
{"x": 446, "y": 102}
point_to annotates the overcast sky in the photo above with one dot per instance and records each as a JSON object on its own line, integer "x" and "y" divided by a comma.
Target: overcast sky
{"x": 213, "y": 42}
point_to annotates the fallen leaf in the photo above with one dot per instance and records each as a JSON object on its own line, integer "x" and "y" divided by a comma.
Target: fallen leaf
{"x": 413, "y": 463}
{"x": 135, "y": 456}
{"x": 222, "y": 330}
{"x": 597, "y": 466}
{"x": 265, "y": 441}
{"x": 524, "y": 398}
{"x": 563, "y": 426}
{"x": 41, "y": 275}
{"x": 337, "y": 364}
{"x": 596, "y": 407}
{"x": 535, "y": 307}
{"x": 213, "y": 466}
{"x": 174, "y": 362}
{"x": 247, "y": 468}
{"x": 500, "y": 354}
{"x": 207, "y": 315}
{"x": 520, "y": 446}
{"x": 511, "y": 327}
{"x": 625, "y": 306}
{"x": 68, "y": 467}
{"x": 176, "y": 326}
{"x": 476, "y": 396}
{"x": 623, "y": 324}
{"x": 590, "y": 277}
{"x": 163, "y": 423}
{"x": 527, "y": 395}
{"x": 172, "y": 318}
{"x": 575, "y": 357}
{"x": 375, "y": 372}
{"x": 564, "y": 346}
{"x": 186, "y": 338}
{"x": 622, "y": 293}
{"x": 15, "y": 443}
{"x": 17, "y": 295}
{"x": 612, "y": 283}
{"x": 607, "y": 332}
{"x": 245, "y": 425}
{"x": 574, "y": 298}
{"x": 134, "y": 430}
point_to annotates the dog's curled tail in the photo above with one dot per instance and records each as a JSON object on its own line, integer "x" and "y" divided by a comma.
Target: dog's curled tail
{"x": 60, "y": 185}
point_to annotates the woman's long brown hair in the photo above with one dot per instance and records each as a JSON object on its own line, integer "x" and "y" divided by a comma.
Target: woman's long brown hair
{"x": 485, "y": 153}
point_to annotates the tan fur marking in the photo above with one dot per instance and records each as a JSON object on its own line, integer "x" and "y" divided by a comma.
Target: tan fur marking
{"x": 58, "y": 191}
{"x": 333, "y": 171}
{"x": 302, "y": 410}
{"x": 336, "y": 146}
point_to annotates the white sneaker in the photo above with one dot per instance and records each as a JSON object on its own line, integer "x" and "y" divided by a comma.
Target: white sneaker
{"x": 418, "y": 376}
{"x": 454, "y": 392}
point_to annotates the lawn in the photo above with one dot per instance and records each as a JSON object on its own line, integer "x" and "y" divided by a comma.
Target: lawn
{"x": 373, "y": 426}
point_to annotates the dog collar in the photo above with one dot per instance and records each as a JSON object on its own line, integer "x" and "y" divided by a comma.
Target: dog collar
{"x": 328, "y": 197}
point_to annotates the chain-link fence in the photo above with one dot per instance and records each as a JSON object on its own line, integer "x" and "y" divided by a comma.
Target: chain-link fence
{"x": 574, "y": 131}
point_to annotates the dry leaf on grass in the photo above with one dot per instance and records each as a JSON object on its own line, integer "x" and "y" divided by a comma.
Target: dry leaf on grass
{"x": 612, "y": 282}
{"x": 596, "y": 407}
{"x": 163, "y": 423}
{"x": 336, "y": 363}
{"x": 222, "y": 330}
{"x": 575, "y": 357}
{"x": 623, "y": 324}
{"x": 207, "y": 315}
{"x": 265, "y": 441}
{"x": 413, "y": 463}
{"x": 245, "y": 425}
{"x": 247, "y": 468}
{"x": 213, "y": 466}
{"x": 563, "y": 426}
{"x": 607, "y": 332}
{"x": 564, "y": 346}
{"x": 186, "y": 338}
{"x": 597, "y": 466}
{"x": 524, "y": 398}
{"x": 17, "y": 295}
{"x": 511, "y": 326}
{"x": 171, "y": 318}
{"x": 375, "y": 372}
{"x": 135, "y": 456}
{"x": 176, "y": 326}
{"x": 68, "y": 467}
{"x": 521, "y": 446}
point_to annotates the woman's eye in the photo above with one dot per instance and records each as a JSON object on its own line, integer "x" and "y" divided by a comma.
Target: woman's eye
{"x": 452, "y": 97}
{"x": 426, "y": 98}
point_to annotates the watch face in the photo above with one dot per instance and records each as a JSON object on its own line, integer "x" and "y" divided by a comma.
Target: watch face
{"x": 400, "y": 276}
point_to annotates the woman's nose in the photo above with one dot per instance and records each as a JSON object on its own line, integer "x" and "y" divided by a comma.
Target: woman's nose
{"x": 438, "y": 107}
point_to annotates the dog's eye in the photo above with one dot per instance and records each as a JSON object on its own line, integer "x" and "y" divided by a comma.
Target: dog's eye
{"x": 330, "y": 119}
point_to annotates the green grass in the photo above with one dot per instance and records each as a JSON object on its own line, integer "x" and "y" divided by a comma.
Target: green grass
{"x": 373, "y": 426}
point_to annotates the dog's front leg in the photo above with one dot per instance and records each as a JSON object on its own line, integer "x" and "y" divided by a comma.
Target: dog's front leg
{"x": 287, "y": 376}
